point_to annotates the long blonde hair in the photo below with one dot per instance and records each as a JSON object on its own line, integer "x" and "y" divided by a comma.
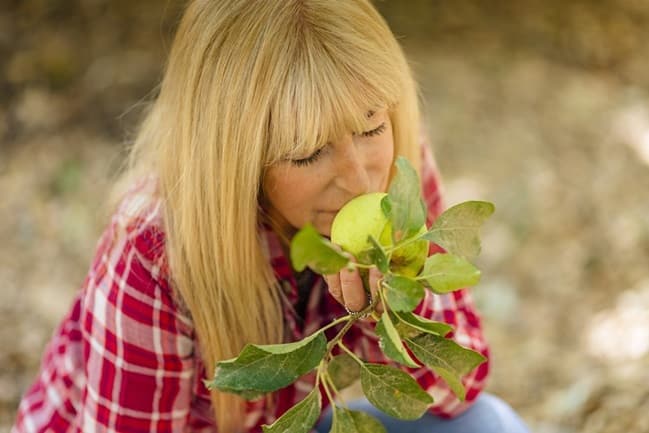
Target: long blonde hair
{"x": 247, "y": 83}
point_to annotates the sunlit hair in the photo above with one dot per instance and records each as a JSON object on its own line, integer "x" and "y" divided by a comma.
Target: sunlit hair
{"x": 247, "y": 84}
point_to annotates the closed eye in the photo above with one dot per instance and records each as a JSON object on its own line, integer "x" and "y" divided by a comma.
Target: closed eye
{"x": 377, "y": 131}
{"x": 308, "y": 160}
{"x": 315, "y": 155}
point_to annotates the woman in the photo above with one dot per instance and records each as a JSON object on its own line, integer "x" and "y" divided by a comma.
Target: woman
{"x": 271, "y": 114}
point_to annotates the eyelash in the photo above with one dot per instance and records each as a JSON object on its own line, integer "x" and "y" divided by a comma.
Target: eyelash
{"x": 373, "y": 132}
{"x": 314, "y": 157}
{"x": 306, "y": 161}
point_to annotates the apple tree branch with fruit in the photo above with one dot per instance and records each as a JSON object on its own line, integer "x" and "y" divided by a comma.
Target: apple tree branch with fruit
{"x": 386, "y": 231}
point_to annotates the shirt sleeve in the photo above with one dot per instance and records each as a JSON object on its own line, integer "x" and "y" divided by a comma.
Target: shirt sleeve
{"x": 137, "y": 346}
{"x": 456, "y": 309}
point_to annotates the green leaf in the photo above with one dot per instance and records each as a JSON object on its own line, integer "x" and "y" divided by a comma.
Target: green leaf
{"x": 300, "y": 418}
{"x": 445, "y": 273}
{"x": 394, "y": 392}
{"x": 260, "y": 369}
{"x": 310, "y": 249}
{"x": 402, "y": 293}
{"x": 406, "y": 208}
{"x": 390, "y": 342}
{"x": 386, "y": 206}
{"x": 343, "y": 371}
{"x": 457, "y": 230}
{"x": 447, "y": 358}
{"x": 419, "y": 325}
{"x": 353, "y": 421}
{"x": 283, "y": 348}
{"x": 377, "y": 255}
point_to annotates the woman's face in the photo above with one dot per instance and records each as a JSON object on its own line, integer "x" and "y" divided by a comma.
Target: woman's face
{"x": 313, "y": 188}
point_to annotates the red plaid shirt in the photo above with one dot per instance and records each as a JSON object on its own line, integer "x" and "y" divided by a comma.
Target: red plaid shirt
{"x": 126, "y": 359}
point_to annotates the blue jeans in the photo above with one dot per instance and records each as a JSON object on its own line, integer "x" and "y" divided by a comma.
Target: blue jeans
{"x": 489, "y": 414}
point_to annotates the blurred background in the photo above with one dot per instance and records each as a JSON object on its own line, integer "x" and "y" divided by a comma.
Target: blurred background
{"x": 538, "y": 106}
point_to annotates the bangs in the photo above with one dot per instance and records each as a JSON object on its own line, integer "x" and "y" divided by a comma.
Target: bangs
{"x": 325, "y": 95}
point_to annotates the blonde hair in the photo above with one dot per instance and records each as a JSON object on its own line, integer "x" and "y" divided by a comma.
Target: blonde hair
{"x": 247, "y": 83}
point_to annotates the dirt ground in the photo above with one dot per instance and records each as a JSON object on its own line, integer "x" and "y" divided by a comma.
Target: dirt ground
{"x": 538, "y": 106}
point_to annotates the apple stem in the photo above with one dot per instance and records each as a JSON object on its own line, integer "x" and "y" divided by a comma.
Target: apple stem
{"x": 335, "y": 322}
{"x": 323, "y": 375}
{"x": 350, "y": 353}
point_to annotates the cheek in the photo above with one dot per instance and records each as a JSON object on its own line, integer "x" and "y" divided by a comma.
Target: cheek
{"x": 383, "y": 160}
{"x": 291, "y": 195}
{"x": 387, "y": 155}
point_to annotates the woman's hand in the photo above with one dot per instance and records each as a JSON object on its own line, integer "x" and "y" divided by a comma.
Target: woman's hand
{"x": 347, "y": 288}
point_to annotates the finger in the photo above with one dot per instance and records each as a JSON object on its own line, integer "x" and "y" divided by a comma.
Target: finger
{"x": 352, "y": 289}
{"x": 333, "y": 284}
{"x": 374, "y": 277}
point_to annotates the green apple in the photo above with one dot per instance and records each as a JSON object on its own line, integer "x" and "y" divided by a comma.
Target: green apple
{"x": 363, "y": 216}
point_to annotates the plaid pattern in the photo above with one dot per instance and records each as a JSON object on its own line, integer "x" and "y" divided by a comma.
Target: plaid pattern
{"x": 126, "y": 359}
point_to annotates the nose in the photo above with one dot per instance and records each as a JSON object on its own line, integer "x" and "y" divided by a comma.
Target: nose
{"x": 351, "y": 173}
